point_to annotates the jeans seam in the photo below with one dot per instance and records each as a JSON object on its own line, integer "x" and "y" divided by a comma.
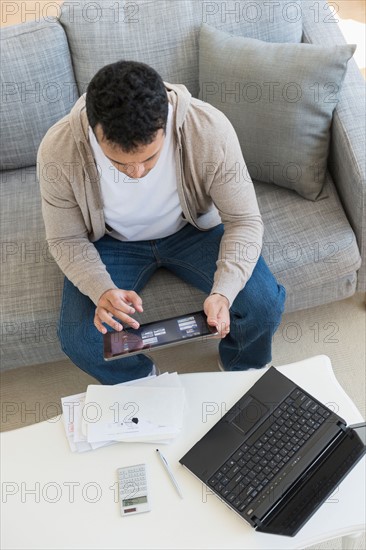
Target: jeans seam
{"x": 139, "y": 278}
{"x": 190, "y": 268}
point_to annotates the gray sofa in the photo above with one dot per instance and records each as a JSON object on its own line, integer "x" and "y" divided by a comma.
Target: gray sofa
{"x": 313, "y": 248}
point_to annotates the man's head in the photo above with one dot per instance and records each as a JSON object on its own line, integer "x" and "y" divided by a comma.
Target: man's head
{"x": 127, "y": 108}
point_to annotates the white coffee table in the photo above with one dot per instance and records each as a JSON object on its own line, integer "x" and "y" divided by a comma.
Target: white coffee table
{"x": 54, "y": 499}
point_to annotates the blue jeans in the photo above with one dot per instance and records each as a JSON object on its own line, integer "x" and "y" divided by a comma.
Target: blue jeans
{"x": 191, "y": 255}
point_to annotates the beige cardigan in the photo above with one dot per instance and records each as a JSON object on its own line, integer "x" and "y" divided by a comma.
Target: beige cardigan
{"x": 213, "y": 187}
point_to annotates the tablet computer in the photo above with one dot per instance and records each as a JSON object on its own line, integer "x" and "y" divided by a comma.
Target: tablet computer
{"x": 159, "y": 334}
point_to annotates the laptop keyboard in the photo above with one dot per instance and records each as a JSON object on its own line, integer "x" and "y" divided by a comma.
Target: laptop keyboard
{"x": 252, "y": 467}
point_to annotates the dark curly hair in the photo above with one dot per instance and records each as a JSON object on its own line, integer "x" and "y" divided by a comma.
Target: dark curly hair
{"x": 129, "y": 100}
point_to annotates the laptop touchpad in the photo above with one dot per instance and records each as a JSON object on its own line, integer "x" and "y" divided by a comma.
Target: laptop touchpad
{"x": 249, "y": 414}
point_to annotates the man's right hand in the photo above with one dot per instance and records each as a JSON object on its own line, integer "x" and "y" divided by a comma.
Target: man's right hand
{"x": 120, "y": 304}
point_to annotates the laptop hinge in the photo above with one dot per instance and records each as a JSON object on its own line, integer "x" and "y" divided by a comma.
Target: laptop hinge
{"x": 342, "y": 426}
{"x": 257, "y": 522}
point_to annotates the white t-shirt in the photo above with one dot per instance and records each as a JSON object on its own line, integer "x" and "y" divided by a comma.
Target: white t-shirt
{"x": 145, "y": 208}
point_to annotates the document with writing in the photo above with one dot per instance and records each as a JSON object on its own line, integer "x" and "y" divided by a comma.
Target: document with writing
{"x": 123, "y": 413}
{"x": 79, "y": 412}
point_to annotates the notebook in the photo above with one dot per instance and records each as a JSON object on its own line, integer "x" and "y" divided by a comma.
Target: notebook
{"x": 276, "y": 455}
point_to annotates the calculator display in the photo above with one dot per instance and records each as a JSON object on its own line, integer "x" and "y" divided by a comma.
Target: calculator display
{"x": 133, "y": 501}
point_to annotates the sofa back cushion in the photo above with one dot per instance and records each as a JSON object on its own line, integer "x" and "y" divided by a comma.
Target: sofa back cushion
{"x": 164, "y": 33}
{"x": 37, "y": 88}
{"x": 280, "y": 99}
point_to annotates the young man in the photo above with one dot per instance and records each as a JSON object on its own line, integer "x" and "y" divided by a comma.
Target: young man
{"x": 141, "y": 175}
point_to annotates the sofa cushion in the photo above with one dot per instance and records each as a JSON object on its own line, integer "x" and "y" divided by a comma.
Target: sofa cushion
{"x": 164, "y": 33}
{"x": 306, "y": 244}
{"x": 38, "y": 88}
{"x": 30, "y": 278}
{"x": 309, "y": 247}
{"x": 280, "y": 99}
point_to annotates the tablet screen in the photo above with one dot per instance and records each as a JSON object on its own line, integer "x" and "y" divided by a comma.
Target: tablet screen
{"x": 159, "y": 333}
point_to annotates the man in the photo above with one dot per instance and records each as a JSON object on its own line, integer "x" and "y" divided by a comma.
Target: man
{"x": 141, "y": 175}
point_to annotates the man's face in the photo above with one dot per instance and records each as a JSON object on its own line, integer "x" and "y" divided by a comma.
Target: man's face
{"x": 137, "y": 164}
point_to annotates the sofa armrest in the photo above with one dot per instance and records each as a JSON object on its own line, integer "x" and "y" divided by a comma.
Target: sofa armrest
{"x": 347, "y": 158}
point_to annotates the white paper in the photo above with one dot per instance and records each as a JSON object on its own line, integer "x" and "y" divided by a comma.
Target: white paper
{"x": 69, "y": 406}
{"x": 75, "y": 425}
{"x": 125, "y": 412}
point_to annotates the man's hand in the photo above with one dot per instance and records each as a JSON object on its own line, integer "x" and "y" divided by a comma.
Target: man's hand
{"x": 216, "y": 308}
{"x": 117, "y": 303}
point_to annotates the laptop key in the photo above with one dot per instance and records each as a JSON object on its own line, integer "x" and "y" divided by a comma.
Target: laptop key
{"x": 237, "y": 502}
{"x": 238, "y": 478}
{"x": 238, "y": 455}
{"x": 230, "y": 486}
{"x": 231, "y": 473}
{"x": 295, "y": 394}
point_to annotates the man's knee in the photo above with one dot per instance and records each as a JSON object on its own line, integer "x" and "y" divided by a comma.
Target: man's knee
{"x": 278, "y": 305}
{"x": 271, "y": 304}
{"x": 262, "y": 312}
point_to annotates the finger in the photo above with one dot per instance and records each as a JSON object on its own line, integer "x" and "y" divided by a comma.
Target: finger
{"x": 118, "y": 303}
{"x": 135, "y": 299}
{"x": 98, "y": 324}
{"x": 212, "y": 315}
{"x": 107, "y": 317}
{"x": 224, "y": 328}
{"x": 121, "y": 316}
{"x": 121, "y": 312}
{"x": 108, "y": 320}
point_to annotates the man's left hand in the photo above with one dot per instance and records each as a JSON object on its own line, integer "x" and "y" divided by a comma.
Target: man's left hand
{"x": 216, "y": 307}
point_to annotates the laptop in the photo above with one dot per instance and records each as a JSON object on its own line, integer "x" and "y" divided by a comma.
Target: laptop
{"x": 276, "y": 455}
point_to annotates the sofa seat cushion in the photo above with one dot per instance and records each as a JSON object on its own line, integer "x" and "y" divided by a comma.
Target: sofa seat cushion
{"x": 310, "y": 248}
{"x": 164, "y": 33}
{"x": 31, "y": 281}
{"x": 38, "y": 88}
{"x": 306, "y": 244}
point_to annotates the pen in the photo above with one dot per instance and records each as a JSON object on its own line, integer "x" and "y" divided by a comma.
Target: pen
{"x": 170, "y": 473}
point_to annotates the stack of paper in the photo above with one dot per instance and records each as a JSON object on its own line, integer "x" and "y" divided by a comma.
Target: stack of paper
{"x": 145, "y": 410}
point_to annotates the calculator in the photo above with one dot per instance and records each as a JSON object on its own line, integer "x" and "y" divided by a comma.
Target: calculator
{"x": 133, "y": 490}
